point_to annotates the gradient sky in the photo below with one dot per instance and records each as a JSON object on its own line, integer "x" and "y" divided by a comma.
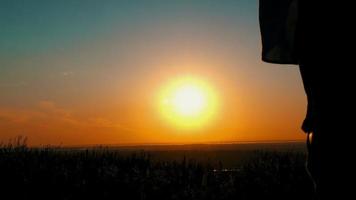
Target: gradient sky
{"x": 86, "y": 72}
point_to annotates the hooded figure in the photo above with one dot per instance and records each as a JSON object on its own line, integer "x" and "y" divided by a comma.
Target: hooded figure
{"x": 313, "y": 35}
{"x": 294, "y": 32}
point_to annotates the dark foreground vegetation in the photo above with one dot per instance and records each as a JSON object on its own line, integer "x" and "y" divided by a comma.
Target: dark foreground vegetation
{"x": 103, "y": 173}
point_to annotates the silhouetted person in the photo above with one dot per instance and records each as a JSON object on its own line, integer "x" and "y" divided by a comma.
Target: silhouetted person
{"x": 314, "y": 35}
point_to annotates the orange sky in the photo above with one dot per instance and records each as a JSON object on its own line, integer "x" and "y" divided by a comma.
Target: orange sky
{"x": 74, "y": 82}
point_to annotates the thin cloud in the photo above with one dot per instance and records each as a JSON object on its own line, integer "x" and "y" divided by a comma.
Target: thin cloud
{"x": 48, "y": 114}
{"x": 67, "y": 73}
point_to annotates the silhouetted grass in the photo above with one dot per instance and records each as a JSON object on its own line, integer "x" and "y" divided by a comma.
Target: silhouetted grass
{"x": 103, "y": 173}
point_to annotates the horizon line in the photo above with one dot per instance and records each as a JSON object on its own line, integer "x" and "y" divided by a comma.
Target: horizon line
{"x": 171, "y": 143}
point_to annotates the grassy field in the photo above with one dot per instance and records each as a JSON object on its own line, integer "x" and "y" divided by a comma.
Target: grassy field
{"x": 239, "y": 171}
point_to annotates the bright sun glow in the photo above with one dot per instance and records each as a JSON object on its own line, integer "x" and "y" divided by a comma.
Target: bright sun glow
{"x": 187, "y": 102}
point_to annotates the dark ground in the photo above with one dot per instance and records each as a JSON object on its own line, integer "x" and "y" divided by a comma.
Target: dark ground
{"x": 235, "y": 171}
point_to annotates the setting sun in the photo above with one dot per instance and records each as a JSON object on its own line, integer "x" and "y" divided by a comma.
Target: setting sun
{"x": 188, "y": 102}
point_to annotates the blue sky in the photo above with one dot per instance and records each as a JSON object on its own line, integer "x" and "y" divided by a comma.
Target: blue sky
{"x": 40, "y": 25}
